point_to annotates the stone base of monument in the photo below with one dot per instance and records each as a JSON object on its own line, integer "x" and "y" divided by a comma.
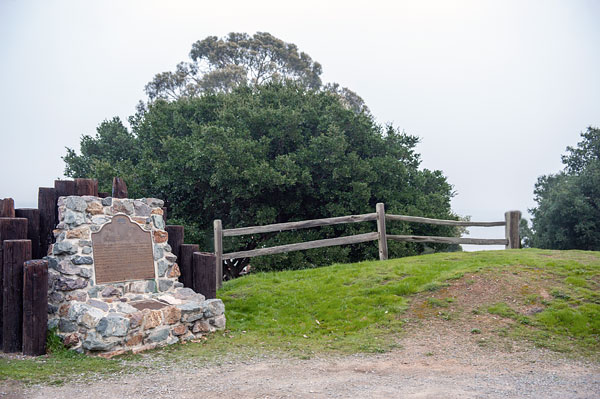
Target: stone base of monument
{"x": 113, "y": 280}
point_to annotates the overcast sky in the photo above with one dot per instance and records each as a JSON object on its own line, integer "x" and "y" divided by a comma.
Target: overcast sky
{"x": 495, "y": 89}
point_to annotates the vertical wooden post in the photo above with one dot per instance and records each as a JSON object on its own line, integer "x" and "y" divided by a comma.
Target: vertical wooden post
{"x": 47, "y": 207}
{"x": 33, "y": 229}
{"x": 512, "y": 219}
{"x": 86, "y": 187}
{"x": 65, "y": 188}
{"x": 383, "y": 249}
{"x": 16, "y": 252}
{"x": 205, "y": 274}
{"x": 7, "y": 208}
{"x": 13, "y": 229}
{"x": 218, "y": 233}
{"x": 119, "y": 188}
{"x": 10, "y": 229}
{"x": 185, "y": 264}
{"x": 176, "y": 235}
{"x": 35, "y": 307}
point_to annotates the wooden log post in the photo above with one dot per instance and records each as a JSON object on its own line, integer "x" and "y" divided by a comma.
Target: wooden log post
{"x": 16, "y": 252}
{"x": 512, "y": 219}
{"x": 185, "y": 260}
{"x": 13, "y": 229}
{"x": 7, "y": 208}
{"x": 62, "y": 188}
{"x": 35, "y": 307}
{"x": 33, "y": 229}
{"x": 65, "y": 188}
{"x": 86, "y": 187}
{"x": 10, "y": 229}
{"x": 119, "y": 188}
{"x": 205, "y": 274}
{"x": 218, "y": 235}
{"x": 47, "y": 207}
{"x": 176, "y": 235}
{"x": 383, "y": 249}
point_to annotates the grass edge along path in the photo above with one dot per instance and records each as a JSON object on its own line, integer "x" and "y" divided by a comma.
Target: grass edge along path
{"x": 353, "y": 308}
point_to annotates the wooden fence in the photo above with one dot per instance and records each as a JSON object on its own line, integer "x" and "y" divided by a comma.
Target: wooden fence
{"x": 511, "y": 239}
{"x": 25, "y": 236}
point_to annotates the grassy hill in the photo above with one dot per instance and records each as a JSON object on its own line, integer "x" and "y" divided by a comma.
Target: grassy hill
{"x": 554, "y": 299}
{"x": 547, "y": 298}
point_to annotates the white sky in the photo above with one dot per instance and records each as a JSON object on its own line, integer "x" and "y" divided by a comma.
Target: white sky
{"x": 495, "y": 89}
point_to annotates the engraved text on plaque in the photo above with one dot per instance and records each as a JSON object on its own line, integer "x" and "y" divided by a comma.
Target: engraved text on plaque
{"x": 122, "y": 252}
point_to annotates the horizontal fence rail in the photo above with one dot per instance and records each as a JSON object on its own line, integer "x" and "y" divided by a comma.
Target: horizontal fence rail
{"x": 449, "y": 240}
{"x": 305, "y": 224}
{"x": 416, "y": 219}
{"x": 511, "y": 239}
{"x": 330, "y": 242}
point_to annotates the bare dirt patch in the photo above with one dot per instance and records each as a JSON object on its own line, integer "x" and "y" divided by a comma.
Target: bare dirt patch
{"x": 460, "y": 306}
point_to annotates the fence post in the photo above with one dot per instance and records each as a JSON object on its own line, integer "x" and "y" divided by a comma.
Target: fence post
{"x": 119, "y": 188}
{"x": 176, "y": 236}
{"x": 47, "y": 207}
{"x": 383, "y": 250}
{"x": 35, "y": 307}
{"x": 205, "y": 276}
{"x": 33, "y": 229}
{"x": 512, "y": 219}
{"x": 16, "y": 252}
{"x": 64, "y": 188}
{"x": 10, "y": 229}
{"x": 218, "y": 230}
{"x": 7, "y": 208}
{"x": 185, "y": 264}
{"x": 86, "y": 187}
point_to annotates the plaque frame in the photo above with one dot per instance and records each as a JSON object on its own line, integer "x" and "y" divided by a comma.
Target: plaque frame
{"x": 135, "y": 249}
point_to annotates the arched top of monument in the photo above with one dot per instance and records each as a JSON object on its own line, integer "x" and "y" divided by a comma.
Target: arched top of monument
{"x": 119, "y": 224}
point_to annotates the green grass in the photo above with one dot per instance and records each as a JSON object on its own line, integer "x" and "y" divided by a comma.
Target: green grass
{"x": 57, "y": 367}
{"x": 361, "y": 307}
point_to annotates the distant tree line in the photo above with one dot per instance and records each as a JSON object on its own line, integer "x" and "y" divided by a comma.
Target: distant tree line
{"x": 567, "y": 215}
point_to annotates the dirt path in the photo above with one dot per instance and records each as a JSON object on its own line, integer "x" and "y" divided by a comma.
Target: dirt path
{"x": 431, "y": 366}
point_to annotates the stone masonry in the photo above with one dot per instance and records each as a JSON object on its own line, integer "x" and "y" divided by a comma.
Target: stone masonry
{"x": 115, "y": 318}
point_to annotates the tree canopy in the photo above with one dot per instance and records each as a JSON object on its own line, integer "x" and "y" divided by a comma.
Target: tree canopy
{"x": 567, "y": 215}
{"x": 269, "y": 153}
{"x": 238, "y": 59}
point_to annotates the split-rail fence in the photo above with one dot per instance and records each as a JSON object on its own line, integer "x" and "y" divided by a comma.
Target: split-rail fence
{"x": 511, "y": 239}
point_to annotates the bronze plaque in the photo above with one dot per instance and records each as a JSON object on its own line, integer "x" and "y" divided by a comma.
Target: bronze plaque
{"x": 122, "y": 252}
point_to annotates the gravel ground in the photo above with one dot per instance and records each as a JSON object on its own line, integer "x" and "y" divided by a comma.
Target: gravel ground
{"x": 432, "y": 366}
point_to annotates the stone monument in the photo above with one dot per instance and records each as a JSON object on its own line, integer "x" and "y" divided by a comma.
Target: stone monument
{"x": 113, "y": 284}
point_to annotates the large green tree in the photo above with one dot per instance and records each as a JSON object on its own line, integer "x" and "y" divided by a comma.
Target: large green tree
{"x": 270, "y": 153}
{"x": 567, "y": 215}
